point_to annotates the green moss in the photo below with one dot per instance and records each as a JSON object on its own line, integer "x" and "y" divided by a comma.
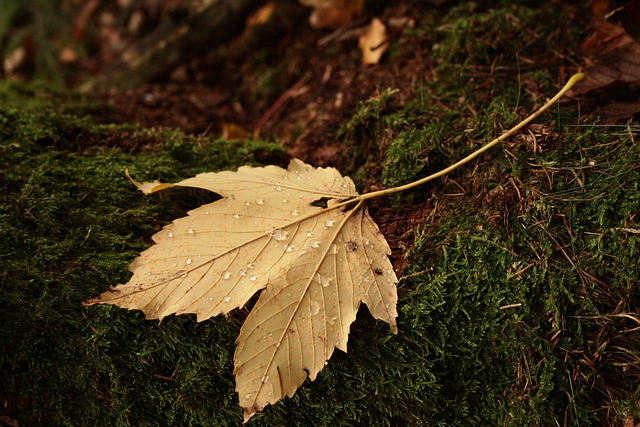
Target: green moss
{"x": 70, "y": 224}
{"x": 566, "y": 263}
{"x": 561, "y": 254}
{"x": 482, "y": 54}
{"x": 512, "y": 306}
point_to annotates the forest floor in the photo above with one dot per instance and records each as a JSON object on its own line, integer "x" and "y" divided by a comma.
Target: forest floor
{"x": 518, "y": 300}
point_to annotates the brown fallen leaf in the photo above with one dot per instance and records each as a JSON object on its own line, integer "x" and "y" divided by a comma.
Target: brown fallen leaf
{"x": 233, "y": 131}
{"x": 301, "y": 236}
{"x": 629, "y": 17}
{"x": 333, "y": 13}
{"x": 316, "y": 265}
{"x": 614, "y": 42}
{"x": 606, "y": 35}
{"x": 612, "y": 113}
{"x": 620, "y": 66}
{"x": 373, "y": 43}
{"x": 262, "y": 15}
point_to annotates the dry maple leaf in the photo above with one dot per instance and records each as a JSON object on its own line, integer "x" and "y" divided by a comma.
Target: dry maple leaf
{"x": 617, "y": 46}
{"x": 301, "y": 236}
{"x": 316, "y": 265}
{"x": 373, "y": 43}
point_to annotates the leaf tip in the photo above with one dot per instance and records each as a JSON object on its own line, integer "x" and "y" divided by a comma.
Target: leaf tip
{"x": 250, "y": 412}
{"x": 147, "y": 187}
{"x": 88, "y": 302}
{"x": 100, "y": 299}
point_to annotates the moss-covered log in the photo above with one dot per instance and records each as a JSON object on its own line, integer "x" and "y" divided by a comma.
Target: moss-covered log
{"x": 519, "y": 294}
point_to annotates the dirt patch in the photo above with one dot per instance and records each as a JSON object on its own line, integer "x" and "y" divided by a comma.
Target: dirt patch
{"x": 316, "y": 86}
{"x": 319, "y": 83}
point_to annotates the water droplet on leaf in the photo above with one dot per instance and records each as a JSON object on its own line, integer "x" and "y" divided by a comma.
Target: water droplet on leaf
{"x": 322, "y": 280}
{"x": 351, "y": 246}
{"x": 315, "y": 308}
{"x": 279, "y": 234}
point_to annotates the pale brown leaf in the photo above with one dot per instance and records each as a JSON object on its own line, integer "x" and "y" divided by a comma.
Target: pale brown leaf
{"x": 316, "y": 265}
{"x": 306, "y": 313}
{"x": 618, "y": 67}
{"x": 333, "y": 13}
{"x": 373, "y": 43}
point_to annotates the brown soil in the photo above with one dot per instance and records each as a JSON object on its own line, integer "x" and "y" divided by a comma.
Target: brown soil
{"x": 318, "y": 87}
{"x": 320, "y": 84}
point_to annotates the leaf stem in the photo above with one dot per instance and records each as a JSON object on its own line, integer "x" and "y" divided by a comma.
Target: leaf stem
{"x": 374, "y": 194}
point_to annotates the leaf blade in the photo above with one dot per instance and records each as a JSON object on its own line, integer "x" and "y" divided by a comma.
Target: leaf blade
{"x": 313, "y": 265}
{"x": 321, "y": 299}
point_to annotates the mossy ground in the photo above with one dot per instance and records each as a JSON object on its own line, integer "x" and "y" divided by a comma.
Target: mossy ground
{"x": 518, "y": 302}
